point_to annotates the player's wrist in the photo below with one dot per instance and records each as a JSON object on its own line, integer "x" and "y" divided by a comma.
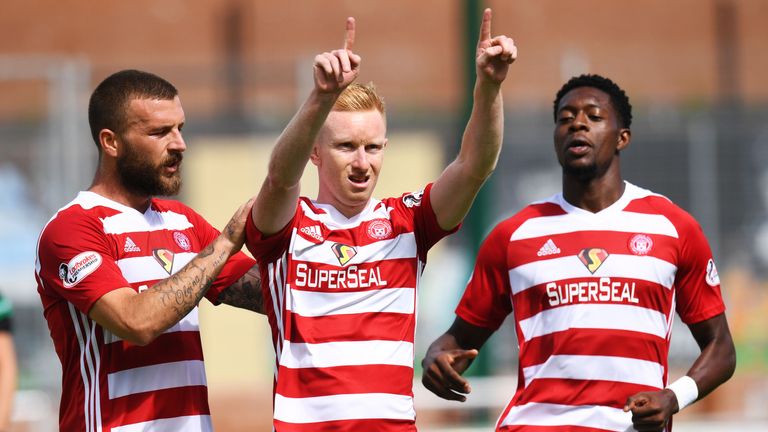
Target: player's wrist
{"x": 686, "y": 391}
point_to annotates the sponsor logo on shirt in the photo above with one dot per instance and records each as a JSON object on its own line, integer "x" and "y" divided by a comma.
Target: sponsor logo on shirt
{"x": 182, "y": 240}
{"x": 712, "y": 278}
{"x": 413, "y": 199}
{"x": 602, "y": 290}
{"x": 549, "y": 248}
{"x": 351, "y": 277}
{"x": 640, "y": 244}
{"x": 164, "y": 257}
{"x": 379, "y": 229}
{"x": 314, "y": 232}
{"x": 83, "y": 264}
{"x": 130, "y": 246}
{"x": 343, "y": 252}
{"x": 593, "y": 258}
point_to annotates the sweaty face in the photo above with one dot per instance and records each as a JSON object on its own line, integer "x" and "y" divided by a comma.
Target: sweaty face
{"x": 587, "y": 133}
{"x": 149, "y": 160}
{"x": 348, "y": 153}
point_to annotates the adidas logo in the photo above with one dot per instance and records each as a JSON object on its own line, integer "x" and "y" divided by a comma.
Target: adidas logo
{"x": 314, "y": 232}
{"x": 549, "y": 248}
{"x": 130, "y": 246}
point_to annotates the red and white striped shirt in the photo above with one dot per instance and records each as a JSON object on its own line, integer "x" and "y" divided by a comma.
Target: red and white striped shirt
{"x": 593, "y": 297}
{"x": 91, "y": 247}
{"x": 341, "y": 301}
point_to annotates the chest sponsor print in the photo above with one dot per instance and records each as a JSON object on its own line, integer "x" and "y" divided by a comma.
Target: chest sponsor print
{"x": 593, "y": 258}
{"x": 343, "y": 253}
{"x": 164, "y": 257}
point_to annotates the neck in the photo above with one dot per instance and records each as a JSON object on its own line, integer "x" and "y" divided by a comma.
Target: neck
{"x": 109, "y": 186}
{"x": 593, "y": 194}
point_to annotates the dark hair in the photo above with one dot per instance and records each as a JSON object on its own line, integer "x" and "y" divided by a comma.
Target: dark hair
{"x": 109, "y": 101}
{"x": 619, "y": 99}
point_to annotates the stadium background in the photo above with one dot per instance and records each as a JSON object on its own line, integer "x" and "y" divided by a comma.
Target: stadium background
{"x": 694, "y": 69}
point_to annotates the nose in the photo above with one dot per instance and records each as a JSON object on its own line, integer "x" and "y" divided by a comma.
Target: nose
{"x": 177, "y": 142}
{"x": 360, "y": 160}
{"x": 579, "y": 122}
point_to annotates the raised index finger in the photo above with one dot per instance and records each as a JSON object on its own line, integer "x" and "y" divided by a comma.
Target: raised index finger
{"x": 485, "y": 26}
{"x": 349, "y": 38}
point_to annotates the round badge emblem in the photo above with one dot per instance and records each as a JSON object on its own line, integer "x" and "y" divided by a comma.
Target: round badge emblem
{"x": 640, "y": 244}
{"x": 379, "y": 229}
{"x": 182, "y": 240}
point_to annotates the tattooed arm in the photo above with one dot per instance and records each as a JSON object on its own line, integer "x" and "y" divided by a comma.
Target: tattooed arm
{"x": 246, "y": 292}
{"x": 141, "y": 317}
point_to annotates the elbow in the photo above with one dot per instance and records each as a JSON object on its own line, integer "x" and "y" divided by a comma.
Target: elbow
{"x": 730, "y": 362}
{"x": 140, "y": 334}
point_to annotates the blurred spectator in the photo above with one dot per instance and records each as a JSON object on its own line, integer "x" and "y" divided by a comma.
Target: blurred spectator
{"x": 7, "y": 364}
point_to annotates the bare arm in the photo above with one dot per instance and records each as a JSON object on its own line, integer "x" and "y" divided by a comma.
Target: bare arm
{"x": 456, "y": 188}
{"x": 449, "y": 356}
{"x": 651, "y": 411}
{"x": 141, "y": 317}
{"x": 246, "y": 292}
{"x": 276, "y": 201}
{"x": 8, "y": 373}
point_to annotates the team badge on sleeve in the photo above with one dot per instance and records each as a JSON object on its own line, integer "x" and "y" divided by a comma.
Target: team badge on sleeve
{"x": 712, "y": 278}
{"x": 83, "y": 264}
{"x": 413, "y": 199}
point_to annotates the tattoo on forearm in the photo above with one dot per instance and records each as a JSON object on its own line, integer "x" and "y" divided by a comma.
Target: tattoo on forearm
{"x": 246, "y": 292}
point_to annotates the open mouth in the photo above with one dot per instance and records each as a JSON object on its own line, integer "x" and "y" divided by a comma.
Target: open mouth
{"x": 173, "y": 163}
{"x": 578, "y": 146}
{"x": 358, "y": 179}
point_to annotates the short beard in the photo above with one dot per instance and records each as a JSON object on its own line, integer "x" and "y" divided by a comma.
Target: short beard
{"x": 139, "y": 176}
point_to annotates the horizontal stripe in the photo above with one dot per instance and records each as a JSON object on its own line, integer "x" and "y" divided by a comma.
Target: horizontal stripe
{"x": 303, "y": 355}
{"x": 146, "y": 268}
{"x": 312, "y": 304}
{"x": 541, "y": 414}
{"x": 594, "y": 367}
{"x": 307, "y": 382}
{"x": 402, "y": 246}
{"x": 335, "y": 220}
{"x": 580, "y": 392}
{"x": 640, "y": 346}
{"x": 177, "y": 402}
{"x": 389, "y": 273}
{"x": 645, "y": 268}
{"x": 596, "y": 316}
{"x": 629, "y": 222}
{"x": 166, "y": 348}
{"x": 357, "y": 425}
{"x": 344, "y": 407}
{"x": 152, "y": 220}
{"x": 190, "y": 323}
{"x": 353, "y": 327}
{"x": 186, "y": 424}
{"x": 591, "y": 291}
{"x": 155, "y": 377}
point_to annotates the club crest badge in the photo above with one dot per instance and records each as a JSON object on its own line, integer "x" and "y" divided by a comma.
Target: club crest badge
{"x": 593, "y": 258}
{"x": 164, "y": 257}
{"x": 379, "y": 229}
{"x": 343, "y": 252}
{"x": 640, "y": 244}
{"x": 182, "y": 240}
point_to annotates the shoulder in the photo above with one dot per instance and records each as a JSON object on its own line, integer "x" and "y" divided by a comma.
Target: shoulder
{"x": 647, "y": 202}
{"x": 81, "y": 214}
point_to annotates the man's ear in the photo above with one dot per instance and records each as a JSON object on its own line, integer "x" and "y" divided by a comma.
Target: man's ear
{"x": 625, "y": 136}
{"x": 108, "y": 143}
{"x": 315, "y": 155}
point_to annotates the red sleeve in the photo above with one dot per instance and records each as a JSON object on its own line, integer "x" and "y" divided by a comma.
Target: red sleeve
{"x": 269, "y": 248}
{"x": 697, "y": 283}
{"x": 235, "y": 267}
{"x": 487, "y": 299}
{"x": 417, "y": 206}
{"x": 76, "y": 260}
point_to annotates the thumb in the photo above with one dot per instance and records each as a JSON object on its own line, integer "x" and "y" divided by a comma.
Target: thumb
{"x": 466, "y": 354}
